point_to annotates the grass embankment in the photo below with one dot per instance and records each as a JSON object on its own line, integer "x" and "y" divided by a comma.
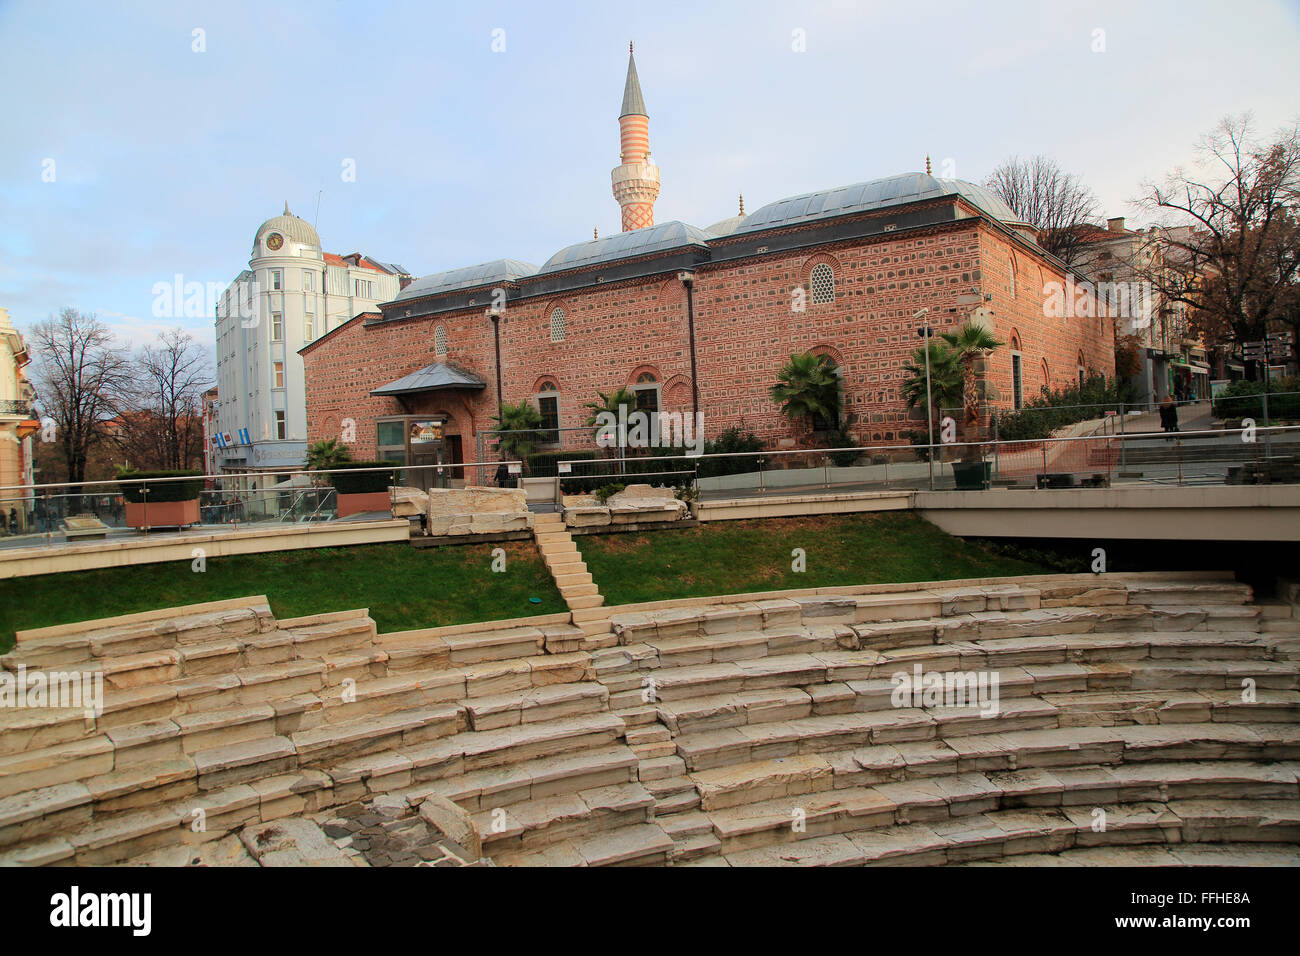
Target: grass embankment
{"x": 403, "y": 587}
{"x": 735, "y": 557}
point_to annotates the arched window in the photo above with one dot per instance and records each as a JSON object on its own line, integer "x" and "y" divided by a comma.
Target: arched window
{"x": 1011, "y": 273}
{"x": 440, "y": 340}
{"x": 646, "y": 391}
{"x": 823, "y": 283}
{"x": 558, "y": 329}
{"x": 548, "y": 405}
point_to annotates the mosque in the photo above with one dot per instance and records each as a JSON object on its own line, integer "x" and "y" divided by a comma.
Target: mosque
{"x": 703, "y": 319}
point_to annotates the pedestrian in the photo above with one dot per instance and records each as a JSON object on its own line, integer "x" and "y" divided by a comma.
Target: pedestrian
{"x": 1169, "y": 415}
{"x": 13, "y": 520}
{"x": 503, "y": 475}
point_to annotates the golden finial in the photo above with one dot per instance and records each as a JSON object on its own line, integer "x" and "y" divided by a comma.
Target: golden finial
{"x": 593, "y": 233}
{"x": 742, "y": 204}
{"x": 927, "y": 164}
{"x": 629, "y": 47}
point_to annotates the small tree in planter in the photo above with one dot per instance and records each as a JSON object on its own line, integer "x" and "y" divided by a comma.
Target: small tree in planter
{"x": 162, "y": 504}
{"x": 518, "y": 431}
{"x": 362, "y": 490}
{"x": 327, "y": 454}
{"x": 946, "y": 384}
{"x": 969, "y": 345}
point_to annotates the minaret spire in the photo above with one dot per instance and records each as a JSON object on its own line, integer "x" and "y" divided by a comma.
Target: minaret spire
{"x": 636, "y": 180}
{"x": 927, "y": 164}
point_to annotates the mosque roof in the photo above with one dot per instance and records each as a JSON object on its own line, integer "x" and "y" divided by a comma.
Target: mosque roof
{"x": 875, "y": 194}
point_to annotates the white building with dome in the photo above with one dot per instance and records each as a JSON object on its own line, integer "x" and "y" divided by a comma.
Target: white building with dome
{"x": 292, "y": 293}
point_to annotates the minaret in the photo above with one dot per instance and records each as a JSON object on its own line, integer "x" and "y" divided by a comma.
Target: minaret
{"x": 636, "y": 181}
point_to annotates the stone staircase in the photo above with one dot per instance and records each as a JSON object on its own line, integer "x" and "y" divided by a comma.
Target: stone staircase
{"x": 735, "y": 733}
{"x": 583, "y": 598}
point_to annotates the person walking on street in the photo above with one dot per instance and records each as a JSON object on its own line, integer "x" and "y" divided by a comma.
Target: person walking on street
{"x": 1169, "y": 415}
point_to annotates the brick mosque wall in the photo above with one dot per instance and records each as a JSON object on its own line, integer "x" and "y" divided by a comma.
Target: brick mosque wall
{"x": 746, "y": 329}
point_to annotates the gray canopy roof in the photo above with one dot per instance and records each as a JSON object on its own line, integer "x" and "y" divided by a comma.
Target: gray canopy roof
{"x": 431, "y": 379}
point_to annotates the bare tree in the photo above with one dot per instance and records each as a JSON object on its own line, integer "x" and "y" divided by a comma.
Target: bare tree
{"x": 164, "y": 428}
{"x": 1232, "y": 235}
{"x": 82, "y": 382}
{"x": 1051, "y": 200}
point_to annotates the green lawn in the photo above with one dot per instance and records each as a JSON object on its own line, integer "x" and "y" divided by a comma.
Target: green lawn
{"x": 403, "y": 587}
{"x": 734, "y": 557}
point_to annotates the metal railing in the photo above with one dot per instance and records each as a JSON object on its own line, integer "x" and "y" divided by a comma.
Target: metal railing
{"x": 1204, "y": 456}
{"x": 36, "y": 515}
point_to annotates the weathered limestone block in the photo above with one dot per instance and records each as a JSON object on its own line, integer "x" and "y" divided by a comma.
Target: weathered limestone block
{"x": 477, "y": 510}
{"x": 456, "y": 825}
{"x": 292, "y": 842}
{"x": 409, "y": 502}
{"x": 645, "y": 503}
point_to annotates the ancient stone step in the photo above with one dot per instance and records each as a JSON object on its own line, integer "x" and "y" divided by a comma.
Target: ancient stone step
{"x": 332, "y": 742}
{"x": 641, "y": 845}
{"x": 573, "y": 816}
{"x": 536, "y": 704}
{"x": 484, "y": 790}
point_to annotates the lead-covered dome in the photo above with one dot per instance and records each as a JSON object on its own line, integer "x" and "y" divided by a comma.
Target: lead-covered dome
{"x": 290, "y": 227}
{"x": 876, "y": 194}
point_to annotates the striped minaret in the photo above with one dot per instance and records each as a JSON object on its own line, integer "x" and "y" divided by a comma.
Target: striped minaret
{"x": 636, "y": 181}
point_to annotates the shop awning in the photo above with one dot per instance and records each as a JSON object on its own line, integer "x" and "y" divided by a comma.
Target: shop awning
{"x": 433, "y": 378}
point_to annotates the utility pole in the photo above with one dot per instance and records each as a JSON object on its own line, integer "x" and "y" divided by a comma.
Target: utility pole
{"x": 925, "y": 332}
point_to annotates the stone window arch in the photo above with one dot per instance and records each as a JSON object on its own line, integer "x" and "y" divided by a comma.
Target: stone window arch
{"x": 647, "y": 388}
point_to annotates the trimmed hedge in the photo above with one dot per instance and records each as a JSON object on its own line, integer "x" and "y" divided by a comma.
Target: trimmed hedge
{"x": 1039, "y": 417}
{"x": 364, "y": 483}
{"x": 1246, "y": 400}
{"x": 542, "y": 464}
{"x": 163, "y": 490}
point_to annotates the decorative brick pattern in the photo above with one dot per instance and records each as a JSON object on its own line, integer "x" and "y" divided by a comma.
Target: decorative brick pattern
{"x": 745, "y": 331}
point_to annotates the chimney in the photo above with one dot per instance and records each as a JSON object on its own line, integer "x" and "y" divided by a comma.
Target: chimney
{"x": 403, "y": 282}
{"x": 1115, "y": 225}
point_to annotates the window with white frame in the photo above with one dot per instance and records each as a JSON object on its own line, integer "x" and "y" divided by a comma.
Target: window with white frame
{"x": 557, "y": 325}
{"x": 280, "y": 426}
{"x": 308, "y": 280}
{"x": 823, "y": 283}
{"x": 308, "y": 327}
{"x": 276, "y": 278}
{"x": 548, "y": 406}
{"x": 277, "y": 326}
{"x": 278, "y": 373}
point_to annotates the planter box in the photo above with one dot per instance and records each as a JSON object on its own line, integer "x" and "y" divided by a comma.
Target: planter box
{"x": 162, "y": 514}
{"x": 972, "y": 475}
{"x": 353, "y": 504}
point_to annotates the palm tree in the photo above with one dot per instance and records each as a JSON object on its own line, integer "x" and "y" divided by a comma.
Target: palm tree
{"x": 518, "y": 431}
{"x": 946, "y": 379}
{"x": 326, "y": 454}
{"x": 620, "y": 402}
{"x": 808, "y": 388}
{"x": 967, "y": 344}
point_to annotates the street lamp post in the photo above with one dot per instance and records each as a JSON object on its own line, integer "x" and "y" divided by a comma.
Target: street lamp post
{"x": 925, "y": 332}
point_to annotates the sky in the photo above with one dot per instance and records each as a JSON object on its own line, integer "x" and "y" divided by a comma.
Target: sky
{"x": 145, "y": 141}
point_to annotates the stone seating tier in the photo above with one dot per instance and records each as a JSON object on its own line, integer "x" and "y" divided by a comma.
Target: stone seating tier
{"x": 539, "y": 744}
